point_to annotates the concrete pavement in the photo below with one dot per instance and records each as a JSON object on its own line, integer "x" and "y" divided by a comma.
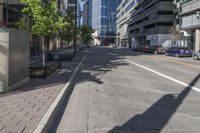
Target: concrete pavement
{"x": 113, "y": 96}
{"x": 22, "y": 110}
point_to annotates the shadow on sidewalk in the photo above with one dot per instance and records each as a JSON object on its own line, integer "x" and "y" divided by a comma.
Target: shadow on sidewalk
{"x": 157, "y": 116}
{"x": 101, "y": 60}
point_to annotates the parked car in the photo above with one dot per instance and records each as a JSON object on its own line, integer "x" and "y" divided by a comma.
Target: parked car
{"x": 87, "y": 46}
{"x": 144, "y": 48}
{"x": 196, "y": 55}
{"x": 160, "y": 50}
{"x": 151, "y": 48}
{"x": 179, "y": 52}
{"x": 156, "y": 49}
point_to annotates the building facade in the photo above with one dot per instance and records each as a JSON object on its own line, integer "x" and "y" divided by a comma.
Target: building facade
{"x": 151, "y": 22}
{"x": 87, "y": 13}
{"x": 124, "y": 11}
{"x": 190, "y": 23}
{"x": 9, "y": 12}
{"x": 104, "y": 21}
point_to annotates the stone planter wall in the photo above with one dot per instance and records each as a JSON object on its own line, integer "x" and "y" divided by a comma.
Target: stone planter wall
{"x": 14, "y": 59}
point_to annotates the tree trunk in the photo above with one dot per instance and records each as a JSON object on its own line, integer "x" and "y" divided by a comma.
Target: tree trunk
{"x": 43, "y": 52}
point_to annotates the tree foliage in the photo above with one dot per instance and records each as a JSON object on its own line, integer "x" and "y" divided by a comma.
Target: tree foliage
{"x": 45, "y": 18}
{"x": 174, "y": 34}
{"x": 68, "y": 33}
{"x": 21, "y": 24}
{"x": 86, "y": 34}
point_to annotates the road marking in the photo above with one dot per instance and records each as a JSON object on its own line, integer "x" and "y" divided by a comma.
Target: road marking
{"x": 177, "y": 62}
{"x": 165, "y": 76}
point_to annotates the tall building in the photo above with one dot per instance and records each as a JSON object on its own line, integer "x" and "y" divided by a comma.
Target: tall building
{"x": 118, "y": 2}
{"x": 124, "y": 10}
{"x": 87, "y": 13}
{"x": 79, "y": 12}
{"x": 190, "y": 23}
{"x": 150, "y": 24}
{"x": 75, "y": 7}
{"x": 104, "y": 21}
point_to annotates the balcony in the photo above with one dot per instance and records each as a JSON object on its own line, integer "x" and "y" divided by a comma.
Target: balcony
{"x": 190, "y": 6}
{"x": 190, "y": 21}
{"x": 152, "y": 12}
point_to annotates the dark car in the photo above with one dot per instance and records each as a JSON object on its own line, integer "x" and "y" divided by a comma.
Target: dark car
{"x": 87, "y": 46}
{"x": 160, "y": 50}
{"x": 179, "y": 52}
{"x": 151, "y": 48}
{"x": 144, "y": 48}
{"x": 157, "y": 49}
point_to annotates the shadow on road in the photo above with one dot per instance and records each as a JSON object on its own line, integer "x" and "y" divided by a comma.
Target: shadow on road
{"x": 92, "y": 70}
{"x": 157, "y": 116}
{"x": 101, "y": 59}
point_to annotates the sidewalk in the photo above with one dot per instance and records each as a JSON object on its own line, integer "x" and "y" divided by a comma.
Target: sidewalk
{"x": 21, "y": 110}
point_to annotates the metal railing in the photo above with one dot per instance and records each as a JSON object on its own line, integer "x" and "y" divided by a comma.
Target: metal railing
{"x": 53, "y": 60}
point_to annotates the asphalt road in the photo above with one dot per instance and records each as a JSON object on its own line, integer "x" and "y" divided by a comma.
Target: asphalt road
{"x": 119, "y": 91}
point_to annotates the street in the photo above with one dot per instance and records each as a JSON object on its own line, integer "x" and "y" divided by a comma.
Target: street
{"x": 121, "y": 91}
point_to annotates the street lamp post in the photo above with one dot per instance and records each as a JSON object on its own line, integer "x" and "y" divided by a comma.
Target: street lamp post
{"x": 7, "y": 13}
{"x": 77, "y": 16}
{"x": 198, "y": 31}
{"x": 75, "y": 28}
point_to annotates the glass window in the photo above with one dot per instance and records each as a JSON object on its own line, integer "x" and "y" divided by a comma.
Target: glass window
{"x": 104, "y": 11}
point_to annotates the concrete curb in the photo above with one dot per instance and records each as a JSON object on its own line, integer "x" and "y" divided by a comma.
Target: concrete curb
{"x": 50, "y": 116}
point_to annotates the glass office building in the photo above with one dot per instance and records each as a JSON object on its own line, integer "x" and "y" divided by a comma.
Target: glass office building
{"x": 104, "y": 20}
{"x": 87, "y": 13}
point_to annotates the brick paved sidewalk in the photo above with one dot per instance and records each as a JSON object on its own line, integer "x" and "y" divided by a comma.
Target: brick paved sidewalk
{"x": 21, "y": 110}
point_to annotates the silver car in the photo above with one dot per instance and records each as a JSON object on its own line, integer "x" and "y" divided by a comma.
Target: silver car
{"x": 196, "y": 55}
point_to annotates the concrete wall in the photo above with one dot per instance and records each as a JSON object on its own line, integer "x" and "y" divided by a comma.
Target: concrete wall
{"x": 14, "y": 59}
{"x": 134, "y": 43}
{"x": 190, "y": 21}
{"x": 191, "y": 6}
{"x": 160, "y": 39}
{"x": 197, "y": 43}
{"x": 165, "y": 40}
{"x": 4, "y": 40}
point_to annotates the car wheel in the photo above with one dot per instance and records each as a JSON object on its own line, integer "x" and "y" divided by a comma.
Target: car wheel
{"x": 155, "y": 52}
{"x": 195, "y": 57}
{"x": 177, "y": 55}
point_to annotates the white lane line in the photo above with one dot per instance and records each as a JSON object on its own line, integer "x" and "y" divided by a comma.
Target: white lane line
{"x": 165, "y": 76}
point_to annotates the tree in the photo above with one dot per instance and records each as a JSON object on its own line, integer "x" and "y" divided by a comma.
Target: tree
{"x": 174, "y": 34}
{"x": 86, "y": 34}
{"x": 21, "y": 24}
{"x": 68, "y": 33}
{"x": 45, "y": 18}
